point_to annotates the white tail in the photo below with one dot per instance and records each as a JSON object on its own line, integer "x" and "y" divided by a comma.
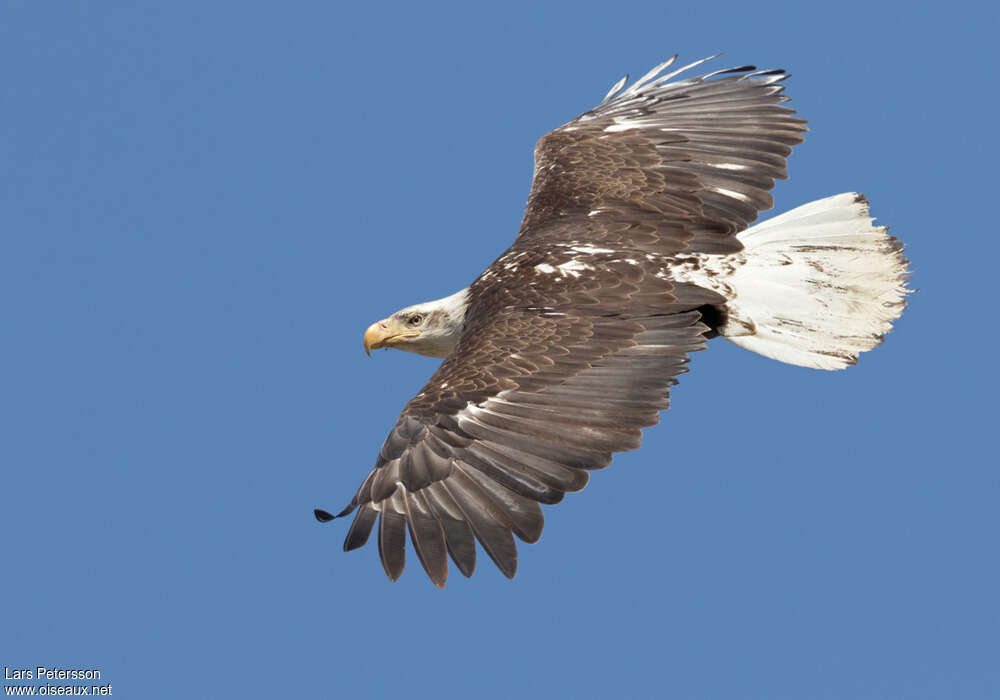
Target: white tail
{"x": 820, "y": 285}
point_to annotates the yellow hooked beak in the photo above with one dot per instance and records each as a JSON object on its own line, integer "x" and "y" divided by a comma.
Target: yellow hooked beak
{"x": 383, "y": 334}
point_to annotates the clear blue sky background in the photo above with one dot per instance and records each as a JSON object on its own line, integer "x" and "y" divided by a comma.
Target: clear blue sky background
{"x": 203, "y": 205}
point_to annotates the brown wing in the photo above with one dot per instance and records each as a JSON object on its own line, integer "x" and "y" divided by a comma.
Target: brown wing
{"x": 665, "y": 167}
{"x": 554, "y": 374}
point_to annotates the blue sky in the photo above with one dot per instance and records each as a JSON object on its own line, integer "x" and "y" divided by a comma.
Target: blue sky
{"x": 203, "y": 205}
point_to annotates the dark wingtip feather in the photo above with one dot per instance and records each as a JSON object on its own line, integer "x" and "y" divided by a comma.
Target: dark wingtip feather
{"x": 392, "y": 543}
{"x": 361, "y": 528}
{"x": 737, "y": 69}
{"x": 461, "y": 545}
{"x": 322, "y": 515}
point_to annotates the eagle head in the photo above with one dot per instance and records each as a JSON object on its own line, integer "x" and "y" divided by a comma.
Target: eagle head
{"x": 432, "y": 328}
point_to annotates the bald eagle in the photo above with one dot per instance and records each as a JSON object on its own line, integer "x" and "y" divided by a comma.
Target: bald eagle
{"x": 635, "y": 249}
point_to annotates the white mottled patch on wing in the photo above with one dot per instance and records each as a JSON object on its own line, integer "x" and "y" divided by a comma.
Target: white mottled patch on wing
{"x": 732, "y": 193}
{"x": 621, "y": 126}
{"x": 590, "y": 249}
{"x": 573, "y": 267}
{"x": 570, "y": 268}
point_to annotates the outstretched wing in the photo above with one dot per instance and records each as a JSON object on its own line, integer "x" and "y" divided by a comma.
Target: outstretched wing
{"x": 553, "y": 374}
{"x": 665, "y": 166}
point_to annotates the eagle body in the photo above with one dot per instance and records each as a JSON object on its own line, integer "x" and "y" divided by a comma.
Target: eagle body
{"x": 635, "y": 249}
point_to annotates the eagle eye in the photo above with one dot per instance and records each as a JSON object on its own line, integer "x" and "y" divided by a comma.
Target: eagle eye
{"x": 415, "y": 319}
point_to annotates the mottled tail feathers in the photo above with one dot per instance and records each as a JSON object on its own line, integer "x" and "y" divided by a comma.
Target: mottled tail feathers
{"x": 821, "y": 284}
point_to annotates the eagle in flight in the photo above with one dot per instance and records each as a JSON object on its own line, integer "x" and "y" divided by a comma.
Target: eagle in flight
{"x": 635, "y": 249}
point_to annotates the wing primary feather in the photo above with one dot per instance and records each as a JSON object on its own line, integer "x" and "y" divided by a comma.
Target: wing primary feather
{"x": 655, "y": 71}
{"x": 513, "y": 474}
{"x": 614, "y": 89}
{"x": 525, "y": 515}
{"x": 490, "y": 525}
{"x": 428, "y": 538}
{"x": 770, "y": 71}
{"x": 728, "y": 71}
{"x": 348, "y": 509}
{"x": 457, "y": 532}
{"x": 361, "y": 528}
{"x": 392, "y": 542}
{"x": 569, "y": 456}
{"x": 664, "y": 78}
{"x": 555, "y": 474}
